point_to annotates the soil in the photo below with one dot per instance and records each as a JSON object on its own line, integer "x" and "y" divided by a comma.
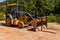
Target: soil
{"x": 14, "y": 33}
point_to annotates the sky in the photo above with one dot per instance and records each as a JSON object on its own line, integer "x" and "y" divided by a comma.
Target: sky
{"x": 1, "y": 0}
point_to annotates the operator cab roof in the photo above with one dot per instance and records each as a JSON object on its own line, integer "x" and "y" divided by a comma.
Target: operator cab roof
{"x": 15, "y": 5}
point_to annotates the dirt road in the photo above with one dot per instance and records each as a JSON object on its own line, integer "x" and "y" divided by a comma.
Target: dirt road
{"x": 14, "y": 33}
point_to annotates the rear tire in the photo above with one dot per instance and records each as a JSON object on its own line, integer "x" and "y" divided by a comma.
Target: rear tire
{"x": 8, "y": 21}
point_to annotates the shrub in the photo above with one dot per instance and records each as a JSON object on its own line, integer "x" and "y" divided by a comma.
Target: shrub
{"x": 51, "y": 18}
{"x": 58, "y": 19}
{"x": 1, "y": 16}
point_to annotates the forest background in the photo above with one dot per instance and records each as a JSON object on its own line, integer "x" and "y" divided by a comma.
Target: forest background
{"x": 49, "y": 8}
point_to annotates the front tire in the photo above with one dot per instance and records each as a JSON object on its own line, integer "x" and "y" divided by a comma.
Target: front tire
{"x": 21, "y": 24}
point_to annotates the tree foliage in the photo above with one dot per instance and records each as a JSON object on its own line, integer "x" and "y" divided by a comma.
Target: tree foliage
{"x": 43, "y": 7}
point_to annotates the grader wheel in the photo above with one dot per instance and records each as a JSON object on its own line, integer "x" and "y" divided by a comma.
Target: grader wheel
{"x": 21, "y": 24}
